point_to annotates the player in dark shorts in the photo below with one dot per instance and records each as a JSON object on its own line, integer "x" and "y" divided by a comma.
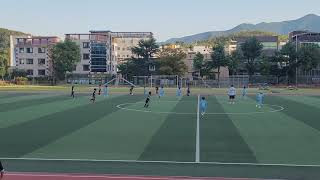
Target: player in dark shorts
{"x": 157, "y": 89}
{"x": 232, "y": 94}
{"x": 72, "y": 91}
{"x": 99, "y": 92}
{"x": 131, "y": 90}
{"x": 188, "y": 91}
{"x": 146, "y": 105}
{"x": 93, "y": 98}
{"x": 1, "y": 170}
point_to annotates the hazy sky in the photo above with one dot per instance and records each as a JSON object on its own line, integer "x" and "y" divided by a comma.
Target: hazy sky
{"x": 165, "y": 18}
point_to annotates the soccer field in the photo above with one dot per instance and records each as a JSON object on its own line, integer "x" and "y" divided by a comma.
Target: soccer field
{"x": 51, "y": 132}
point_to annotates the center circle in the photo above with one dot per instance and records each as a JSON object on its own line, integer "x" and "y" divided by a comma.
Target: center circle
{"x": 272, "y": 109}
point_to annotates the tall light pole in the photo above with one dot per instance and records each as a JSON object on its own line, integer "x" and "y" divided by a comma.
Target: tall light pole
{"x": 297, "y": 60}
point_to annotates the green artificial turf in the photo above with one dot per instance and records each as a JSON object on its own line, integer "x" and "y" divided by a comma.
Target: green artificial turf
{"x": 55, "y": 126}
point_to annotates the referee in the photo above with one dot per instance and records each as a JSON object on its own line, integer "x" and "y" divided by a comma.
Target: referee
{"x": 1, "y": 170}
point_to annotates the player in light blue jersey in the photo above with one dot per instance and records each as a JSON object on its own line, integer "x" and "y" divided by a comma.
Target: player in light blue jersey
{"x": 145, "y": 91}
{"x": 244, "y": 92}
{"x": 203, "y": 106}
{"x": 179, "y": 92}
{"x": 259, "y": 97}
{"x": 105, "y": 91}
{"x": 161, "y": 92}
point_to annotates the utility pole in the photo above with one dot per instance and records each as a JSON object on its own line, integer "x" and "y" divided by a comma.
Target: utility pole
{"x": 297, "y": 60}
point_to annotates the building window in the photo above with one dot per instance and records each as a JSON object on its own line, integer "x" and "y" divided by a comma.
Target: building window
{"x": 30, "y": 72}
{"x": 21, "y": 41}
{"x": 85, "y": 44}
{"x": 41, "y": 61}
{"x": 119, "y": 48}
{"x": 21, "y": 50}
{"x": 29, "y": 61}
{"x": 21, "y": 61}
{"x": 123, "y": 49}
{"x": 41, "y": 72}
{"x": 86, "y": 56}
{"x": 41, "y": 50}
{"x": 85, "y": 68}
{"x": 29, "y": 50}
{"x": 128, "y": 48}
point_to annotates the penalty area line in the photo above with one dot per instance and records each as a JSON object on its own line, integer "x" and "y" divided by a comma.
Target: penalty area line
{"x": 164, "y": 162}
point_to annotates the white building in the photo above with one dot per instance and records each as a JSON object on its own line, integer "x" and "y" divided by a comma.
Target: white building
{"x": 206, "y": 52}
{"x": 31, "y": 54}
{"x": 102, "y": 51}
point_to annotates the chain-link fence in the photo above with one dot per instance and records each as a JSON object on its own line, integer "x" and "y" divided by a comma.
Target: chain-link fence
{"x": 173, "y": 81}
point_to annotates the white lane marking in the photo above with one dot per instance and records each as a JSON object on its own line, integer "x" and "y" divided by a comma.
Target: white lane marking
{"x": 198, "y": 132}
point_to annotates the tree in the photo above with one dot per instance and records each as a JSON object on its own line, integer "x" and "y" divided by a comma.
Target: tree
{"x": 171, "y": 62}
{"x": 308, "y": 57}
{"x": 4, "y": 59}
{"x": 146, "y": 49}
{"x": 287, "y": 60}
{"x": 129, "y": 69}
{"x": 198, "y": 63}
{"x": 123, "y": 69}
{"x": 144, "y": 56}
{"x": 251, "y": 49}
{"x": 64, "y": 57}
{"x": 5, "y": 37}
{"x": 278, "y": 66}
{"x": 219, "y": 59}
{"x": 265, "y": 65}
{"x": 234, "y": 61}
{"x": 18, "y": 73}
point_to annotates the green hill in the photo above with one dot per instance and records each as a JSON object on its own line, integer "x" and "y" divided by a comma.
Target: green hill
{"x": 227, "y": 37}
{"x": 309, "y": 22}
{"x": 5, "y": 37}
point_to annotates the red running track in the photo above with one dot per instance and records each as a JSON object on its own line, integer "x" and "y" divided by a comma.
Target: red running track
{"x": 42, "y": 176}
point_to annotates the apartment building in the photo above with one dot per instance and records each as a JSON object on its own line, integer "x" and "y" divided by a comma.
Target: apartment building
{"x": 122, "y": 42}
{"x": 206, "y": 52}
{"x": 304, "y": 37}
{"x": 32, "y": 54}
{"x": 102, "y": 51}
{"x": 231, "y": 46}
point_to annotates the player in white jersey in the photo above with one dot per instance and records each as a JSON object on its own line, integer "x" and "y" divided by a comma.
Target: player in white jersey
{"x": 232, "y": 92}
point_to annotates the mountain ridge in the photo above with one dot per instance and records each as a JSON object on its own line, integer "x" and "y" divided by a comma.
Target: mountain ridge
{"x": 309, "y": 22}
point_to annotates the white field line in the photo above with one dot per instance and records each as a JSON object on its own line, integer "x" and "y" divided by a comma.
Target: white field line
{"x": 280, "y": 108}
{"x": 198, "y": 132}
{"x": 116, "y": 176}
{"x": 164, "y": 162}
{"x": 85, "y": 176}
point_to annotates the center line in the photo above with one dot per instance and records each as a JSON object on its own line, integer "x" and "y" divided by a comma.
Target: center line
{"x": 198, "y": 133}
